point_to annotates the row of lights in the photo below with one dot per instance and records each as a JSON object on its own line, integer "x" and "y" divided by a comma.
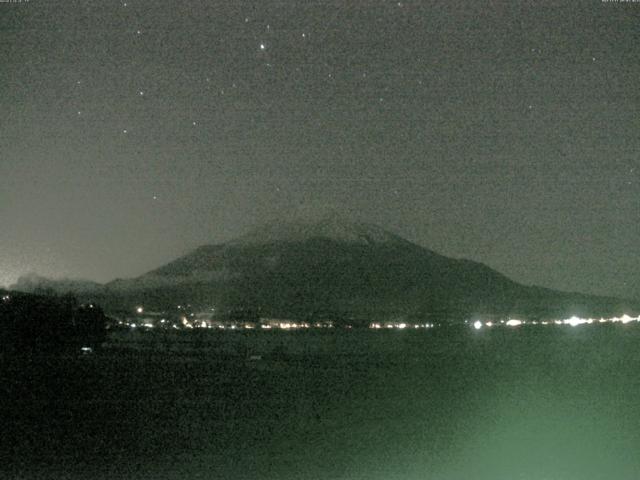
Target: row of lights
{"x": 190, "y": 324}
{"x": 573, "y": 321}
{"x": 400, "y": 326}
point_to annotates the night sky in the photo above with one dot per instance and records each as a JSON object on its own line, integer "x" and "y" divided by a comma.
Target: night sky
{"x": 504, "y": 132}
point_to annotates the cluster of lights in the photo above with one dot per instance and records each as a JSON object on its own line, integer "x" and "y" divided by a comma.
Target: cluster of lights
{"x": 6, "y": 298}
{"x": 573, "y": 321}
{"x": 185, "y": 323}
{"x": 191, "y": 321}
{"x": 399, "y": 326}
{"x": 290, "y": 325}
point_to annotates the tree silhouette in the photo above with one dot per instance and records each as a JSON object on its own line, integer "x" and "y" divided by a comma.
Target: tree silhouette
{"x": 30, "y": 323}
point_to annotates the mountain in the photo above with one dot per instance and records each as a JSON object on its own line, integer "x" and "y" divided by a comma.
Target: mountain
{"x": 33, "y": 283}
{"x": 336, "y": 269}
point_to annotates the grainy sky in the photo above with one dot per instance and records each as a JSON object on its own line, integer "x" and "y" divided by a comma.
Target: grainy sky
{"x": 504, "y": 132}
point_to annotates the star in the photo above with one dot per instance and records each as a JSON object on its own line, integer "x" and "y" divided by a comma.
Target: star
{"x": 194, "y": 123}
{"x": 124, "y": 131}
{"x": 141, "y": 93}
{"x": 262, "y": 46}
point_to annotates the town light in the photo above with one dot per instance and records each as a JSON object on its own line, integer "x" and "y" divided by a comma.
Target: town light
{"x": 575, "y": 321}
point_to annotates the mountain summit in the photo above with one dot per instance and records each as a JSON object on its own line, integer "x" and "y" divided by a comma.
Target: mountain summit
{"x": 330, "y": 227}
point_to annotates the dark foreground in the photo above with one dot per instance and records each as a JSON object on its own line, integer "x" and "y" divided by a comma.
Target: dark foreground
{"x": 545, "y": 403}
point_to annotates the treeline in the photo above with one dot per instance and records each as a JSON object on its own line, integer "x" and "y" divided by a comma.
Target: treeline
{"x": 39, "y": 323}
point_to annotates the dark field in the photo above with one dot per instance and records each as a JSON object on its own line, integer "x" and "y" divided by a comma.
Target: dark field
{"x": 529, "y": 403}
